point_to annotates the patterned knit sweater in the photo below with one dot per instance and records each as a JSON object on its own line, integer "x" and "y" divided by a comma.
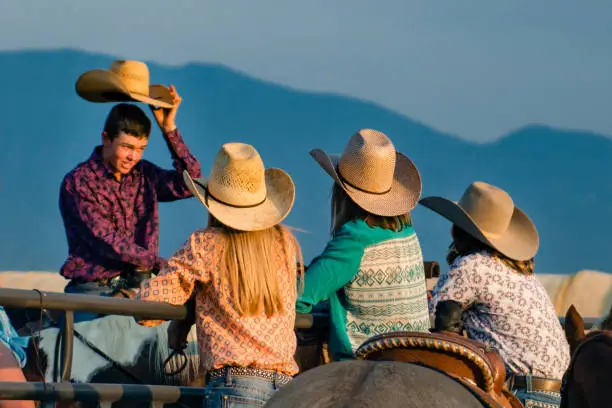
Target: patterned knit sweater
{"x": 375, "y": 283}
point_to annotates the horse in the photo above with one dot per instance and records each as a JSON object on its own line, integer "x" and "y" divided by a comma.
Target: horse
{"x": 365, "y": 383}
{"x": 114, "y": 349}
{"x": 441, "y": 356}
{"x": 585, "y": 383}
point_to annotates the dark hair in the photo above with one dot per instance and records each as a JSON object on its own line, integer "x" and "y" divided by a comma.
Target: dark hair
{"x": 129, "y": 119}
{"x": 464, "y": 244}
{"x": 344, "y": 209}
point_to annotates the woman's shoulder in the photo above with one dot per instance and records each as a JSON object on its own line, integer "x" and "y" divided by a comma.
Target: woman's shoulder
{"x": 206, "y": 236}
{"x": 481, "y": 259}
{"x": 359, "y": 229}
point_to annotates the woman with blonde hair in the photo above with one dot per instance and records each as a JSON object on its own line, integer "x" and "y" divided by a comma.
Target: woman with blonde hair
{"x": 504, "y": 305}
{"x": 372, "y": 269}
{"x": 242, "y": 272}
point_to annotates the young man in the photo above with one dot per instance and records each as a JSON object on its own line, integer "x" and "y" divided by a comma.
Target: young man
{"x": 109, "y": 203}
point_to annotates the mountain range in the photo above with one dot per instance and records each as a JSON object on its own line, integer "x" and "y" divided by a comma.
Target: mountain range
{"x": 561, "y": 178}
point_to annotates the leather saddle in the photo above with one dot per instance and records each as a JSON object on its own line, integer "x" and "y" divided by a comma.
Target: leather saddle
{"x": 473, "y": 364}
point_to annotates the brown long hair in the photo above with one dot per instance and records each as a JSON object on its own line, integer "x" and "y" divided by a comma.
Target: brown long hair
{"x": 344, "y": 209}
{"x": 464, "y": 244}
{"x": 250, "y": 264}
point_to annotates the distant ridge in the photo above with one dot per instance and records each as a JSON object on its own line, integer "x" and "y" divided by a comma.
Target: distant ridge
{"x": 561, "y": 178}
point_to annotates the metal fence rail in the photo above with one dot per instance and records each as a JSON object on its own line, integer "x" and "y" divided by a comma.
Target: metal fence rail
{"x": 70, "y": 303}
{"x": 34, "y": 299}
{"x": 106, "y": 394}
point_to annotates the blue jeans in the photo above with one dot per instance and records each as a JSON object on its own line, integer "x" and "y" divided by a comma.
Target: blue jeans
{"x": 89, "y": 288}
{"x": 241, "y": 391}
{"x": 538, "y": 399}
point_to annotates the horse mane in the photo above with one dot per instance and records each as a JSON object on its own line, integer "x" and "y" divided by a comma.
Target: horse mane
{"x": 159, "y": 353}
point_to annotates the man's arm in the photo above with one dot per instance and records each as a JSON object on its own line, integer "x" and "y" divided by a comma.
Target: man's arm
{"x": 85, "y": 218}
{"x": 169, "y": 183}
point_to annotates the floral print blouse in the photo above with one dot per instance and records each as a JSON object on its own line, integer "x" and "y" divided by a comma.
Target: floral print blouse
{"x": 510, "y": 312}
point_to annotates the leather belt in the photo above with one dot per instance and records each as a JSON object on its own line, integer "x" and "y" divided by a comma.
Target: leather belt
{"x": 537, "y": 383}
{"x": 249, "y": 372}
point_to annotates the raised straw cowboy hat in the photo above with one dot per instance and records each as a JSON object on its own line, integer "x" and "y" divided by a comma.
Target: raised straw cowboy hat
{"x": 488, "y": 214}
{"x": 241, "y": 193}
{"x": 124, "y": 81}
{"x": 379, "y": 179}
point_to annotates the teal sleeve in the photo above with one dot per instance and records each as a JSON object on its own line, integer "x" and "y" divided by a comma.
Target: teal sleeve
{"x": 331, "y": 270}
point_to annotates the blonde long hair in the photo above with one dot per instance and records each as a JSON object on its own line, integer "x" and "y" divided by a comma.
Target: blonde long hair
{"x": 250, "y": 267}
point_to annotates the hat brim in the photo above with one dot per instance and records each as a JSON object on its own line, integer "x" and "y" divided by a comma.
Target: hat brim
{"x": 520, "y": 241}
{"x": 275, "y": 208}
{"x": 101, "y": 85}
{"x": 401, "y": 198}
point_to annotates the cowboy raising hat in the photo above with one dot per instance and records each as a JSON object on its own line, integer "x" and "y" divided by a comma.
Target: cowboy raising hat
{"x": 488, "y": 214}
{"x": 124, "y": 81}
{"x": 376, "y": 177}
{"x": 241, "y": 193}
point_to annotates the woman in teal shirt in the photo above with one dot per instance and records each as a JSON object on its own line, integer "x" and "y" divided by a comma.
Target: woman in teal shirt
{"x": 372, "y": 269}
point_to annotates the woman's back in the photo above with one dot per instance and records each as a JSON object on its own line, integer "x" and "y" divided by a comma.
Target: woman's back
{"x": 375, "y": 282}
{"x": 509, "y": 311}
{"x": 388, "y": 291}
{"x": 226, "y": 336}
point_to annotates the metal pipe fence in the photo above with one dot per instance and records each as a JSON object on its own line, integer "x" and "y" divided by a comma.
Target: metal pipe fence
{"x": 48, "y": 393}
{"x": 105, "y": 394}
{"x": 70, "y": 303}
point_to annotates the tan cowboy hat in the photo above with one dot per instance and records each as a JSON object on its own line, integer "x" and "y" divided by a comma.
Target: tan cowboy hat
{"x": 124, "y": 81}
{"x": 375, "y": 176}
{"x": 241, "y": 193}
{"x": 488, "y": 214}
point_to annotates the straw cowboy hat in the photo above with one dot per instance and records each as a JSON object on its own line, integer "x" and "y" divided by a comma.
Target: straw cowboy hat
{"x": 124, "y": 81}
{"x": 241, "y": 193}
{"x": 376, "y": 177}
{"x": 488, "y": 214}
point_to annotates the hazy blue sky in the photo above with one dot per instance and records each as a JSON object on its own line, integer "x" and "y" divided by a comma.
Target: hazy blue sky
{"x": 475, "y": 68}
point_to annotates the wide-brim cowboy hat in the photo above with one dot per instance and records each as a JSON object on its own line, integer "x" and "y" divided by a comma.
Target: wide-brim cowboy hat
{"x": 488, "y": 214}
{"x": 236, "y": 209}
{"x": 397, "y": 194}
{"x": 124, "y": 81}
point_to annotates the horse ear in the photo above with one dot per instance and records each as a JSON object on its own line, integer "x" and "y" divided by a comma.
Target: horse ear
{"x": 574, "y": 328}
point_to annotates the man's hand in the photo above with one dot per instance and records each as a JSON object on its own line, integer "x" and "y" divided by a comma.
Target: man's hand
{"x": 165, "y": 117}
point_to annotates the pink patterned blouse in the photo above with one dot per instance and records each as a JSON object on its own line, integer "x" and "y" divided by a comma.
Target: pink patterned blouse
{"x": 224, "y": 337}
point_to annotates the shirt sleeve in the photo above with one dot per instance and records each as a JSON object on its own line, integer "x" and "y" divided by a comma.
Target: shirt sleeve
{"x": 169, "y": 183}
{"x": 331, "y": 270}
{"x": 458, "y": 285}
{"x": 86, "y": 218}
{"x": 176, "y": 282}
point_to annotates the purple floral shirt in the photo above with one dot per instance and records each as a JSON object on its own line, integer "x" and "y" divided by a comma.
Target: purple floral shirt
{"x": 112, "y": 226}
